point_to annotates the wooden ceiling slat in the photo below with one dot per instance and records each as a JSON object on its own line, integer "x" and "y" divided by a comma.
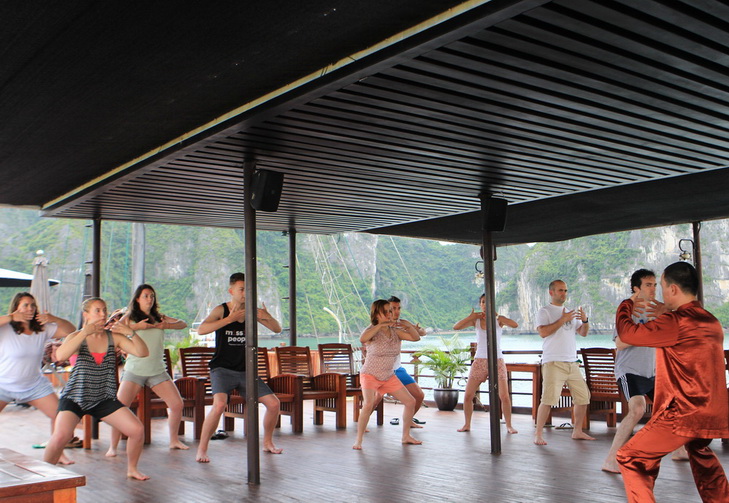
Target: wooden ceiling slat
{"x": 341, "y": 122}
{"x": 518, "y": 127}
{"x": 553, "y": 108}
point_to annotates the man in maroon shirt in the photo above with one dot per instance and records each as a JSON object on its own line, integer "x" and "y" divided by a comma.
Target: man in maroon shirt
{"x": 690, "y": 406}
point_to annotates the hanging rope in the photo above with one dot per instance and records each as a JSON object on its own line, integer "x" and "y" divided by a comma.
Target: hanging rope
{"x": 412, "y": 281}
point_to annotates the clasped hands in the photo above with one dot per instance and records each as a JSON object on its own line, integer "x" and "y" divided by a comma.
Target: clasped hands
{"x": 648, "y": 307}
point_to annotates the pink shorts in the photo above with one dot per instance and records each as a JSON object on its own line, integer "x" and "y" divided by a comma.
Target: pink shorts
{"x": 369, "y": 382}
{"x": 480, "y": 369}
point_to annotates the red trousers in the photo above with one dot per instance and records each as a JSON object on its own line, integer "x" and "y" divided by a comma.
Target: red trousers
{"x": 640, "y": 460}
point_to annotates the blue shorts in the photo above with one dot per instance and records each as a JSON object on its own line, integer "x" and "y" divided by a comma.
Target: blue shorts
{"x": 40, "y": 389}
{"x": 404, "y": 377}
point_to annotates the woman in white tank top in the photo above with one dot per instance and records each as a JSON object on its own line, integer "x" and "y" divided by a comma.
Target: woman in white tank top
{"x": 479, "y": 368}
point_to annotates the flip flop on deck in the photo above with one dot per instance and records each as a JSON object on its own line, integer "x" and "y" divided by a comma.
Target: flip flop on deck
{"x": 74, "y": 443}
{"x": 219, "y": 435}
{"x": 565, "y": 426}
{"x": 395, "y": 421}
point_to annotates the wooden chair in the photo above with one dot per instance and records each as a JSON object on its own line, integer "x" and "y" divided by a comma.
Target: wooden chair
{"x": 339, "y": 358}
{"x": 192, "y": 391}
{"x": 329, "y": 390}
{"x": 288, "y": 388}
{"x": 195, "y": 363}
{"x": 604, "y": 390}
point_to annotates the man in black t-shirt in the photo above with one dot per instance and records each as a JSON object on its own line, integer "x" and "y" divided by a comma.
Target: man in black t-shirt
{"x": 227, "y": 368}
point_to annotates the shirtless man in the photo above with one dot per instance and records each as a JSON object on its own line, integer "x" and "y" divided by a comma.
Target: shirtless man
{"x": 228, "y": 366}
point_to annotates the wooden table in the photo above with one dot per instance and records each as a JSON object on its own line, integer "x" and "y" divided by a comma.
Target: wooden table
{"x": 536, "y": 370}
{"x": 28, "y": 480}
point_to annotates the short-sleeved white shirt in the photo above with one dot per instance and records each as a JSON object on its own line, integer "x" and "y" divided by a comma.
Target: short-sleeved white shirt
{"x": 21, "y": 357}
{"x": 561, "y": 346}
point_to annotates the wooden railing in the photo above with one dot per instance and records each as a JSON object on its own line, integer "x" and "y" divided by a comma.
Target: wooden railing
{"x": 416, "y": 369}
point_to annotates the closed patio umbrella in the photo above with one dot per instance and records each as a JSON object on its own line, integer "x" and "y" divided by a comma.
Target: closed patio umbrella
{"x": 39, "y": 287}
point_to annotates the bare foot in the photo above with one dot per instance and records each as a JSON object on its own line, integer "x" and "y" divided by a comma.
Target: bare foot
{"x": 581, "y": 435}
{"x": 415, "y": 425}
{"x": 202, "y": 457}
{"x": 137, "y": 475}
{"x": 65, "y": 460}
{"x": 680, "y": 454}
{"x": 511, "y": 429}
{"x": 272, "y": 449}
{"x": 178, "y": 445}
{"x": 357, "y": 447}
{"x": 411, "y": 440}
{"x": 609, "y": 467}
{"x": 465, "y": 428}
{"x": 111, "y": 453}
{"x": 539, "y": 440}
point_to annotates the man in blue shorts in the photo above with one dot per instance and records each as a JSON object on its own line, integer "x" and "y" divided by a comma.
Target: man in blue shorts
{"x": 402, "y": 374}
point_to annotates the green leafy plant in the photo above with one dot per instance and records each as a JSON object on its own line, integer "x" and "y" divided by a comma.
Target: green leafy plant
{"x": 174, "y": 346}
{"x": 446, "y": 362}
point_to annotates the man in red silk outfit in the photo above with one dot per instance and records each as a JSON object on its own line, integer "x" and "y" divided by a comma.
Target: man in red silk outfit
{"x": 690, "y": 406}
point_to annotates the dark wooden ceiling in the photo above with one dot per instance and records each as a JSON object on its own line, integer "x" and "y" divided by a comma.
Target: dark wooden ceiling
{"x": 588, "y": 116}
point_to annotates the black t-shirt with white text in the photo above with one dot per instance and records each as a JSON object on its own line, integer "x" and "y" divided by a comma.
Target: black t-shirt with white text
{"x": 230, "y": 345}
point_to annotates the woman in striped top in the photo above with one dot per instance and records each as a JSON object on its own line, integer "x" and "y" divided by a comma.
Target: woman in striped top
{"x": 91, "y": 388}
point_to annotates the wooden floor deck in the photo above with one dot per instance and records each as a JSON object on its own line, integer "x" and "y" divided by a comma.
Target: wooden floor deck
{"x": 320, "y": 465}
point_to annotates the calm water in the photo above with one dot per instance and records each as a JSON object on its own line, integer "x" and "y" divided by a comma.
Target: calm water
{"x": 509, "y": 342}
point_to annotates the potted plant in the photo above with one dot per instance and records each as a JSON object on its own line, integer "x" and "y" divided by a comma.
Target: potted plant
{"x": 447, "y": 362}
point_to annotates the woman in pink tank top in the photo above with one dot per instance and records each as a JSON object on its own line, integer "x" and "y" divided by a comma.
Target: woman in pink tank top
{"x": 377, "y": 377}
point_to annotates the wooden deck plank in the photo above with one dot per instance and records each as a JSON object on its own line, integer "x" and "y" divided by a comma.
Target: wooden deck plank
{"x": 321, "y": 465}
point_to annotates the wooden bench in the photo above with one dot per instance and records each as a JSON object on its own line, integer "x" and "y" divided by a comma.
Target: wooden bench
{"x": 27, "y": 480}
{"x": 192, "y": 391}
{"x": 328, "y": 391}
{"x": 289, "y": 389}
{"x": 339, "y": 358}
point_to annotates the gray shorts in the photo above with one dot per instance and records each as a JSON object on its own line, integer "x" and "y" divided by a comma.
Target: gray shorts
{"x": 225, "y": 381}
{"x": 40, "y": 389}
{"x": 143, "y": 381}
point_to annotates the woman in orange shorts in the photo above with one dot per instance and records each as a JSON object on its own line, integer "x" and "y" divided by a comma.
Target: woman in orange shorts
{"x": 382, "y": 341}
{"x": 480, "y": 366}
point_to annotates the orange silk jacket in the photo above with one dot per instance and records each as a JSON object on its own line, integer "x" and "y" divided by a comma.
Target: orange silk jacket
{"x": 689, "y": 366}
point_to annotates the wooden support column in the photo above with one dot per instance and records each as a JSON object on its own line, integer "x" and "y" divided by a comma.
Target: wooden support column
{"x": 291, "y": 233}
{"x": 249, "y": 232}
{"x": 488, "y": 226}
{"x": 697, "y": 260}
{"x": 96, "y": 260}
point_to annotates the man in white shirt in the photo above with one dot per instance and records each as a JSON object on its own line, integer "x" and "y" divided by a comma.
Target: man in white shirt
{"x": 557, "y": 326}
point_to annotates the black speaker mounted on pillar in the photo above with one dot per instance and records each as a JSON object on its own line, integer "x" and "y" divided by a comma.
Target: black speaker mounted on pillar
{"x": 494, "y": 213}
{"x": 266, "y": 190}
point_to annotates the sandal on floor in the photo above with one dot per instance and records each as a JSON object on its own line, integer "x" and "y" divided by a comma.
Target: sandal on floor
{"x": 219, "y": 435}
{"x": 74, "y": 443}
{"x": 395, "y": 421}
{"x": 418, "y": 421}
{"x": 565, "y": 426}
